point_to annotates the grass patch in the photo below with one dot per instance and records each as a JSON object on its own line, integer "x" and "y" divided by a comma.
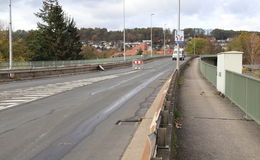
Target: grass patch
{"x": 177, "y": 114}
{"x": 257, "y": 74}
{"x": 174, "y": 145}
{"x": 181, "y": 80}
{"x": 178, "y": 117}
{"x": 250, "y": 72}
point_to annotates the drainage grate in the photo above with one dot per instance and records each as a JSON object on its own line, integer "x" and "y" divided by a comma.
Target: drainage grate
{"x": 129, "y": 122}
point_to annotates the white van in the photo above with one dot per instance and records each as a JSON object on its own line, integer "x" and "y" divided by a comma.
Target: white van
{"x": 181, "y": 54}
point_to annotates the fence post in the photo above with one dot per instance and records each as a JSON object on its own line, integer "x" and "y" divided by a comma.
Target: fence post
{"x": 246, "y": 99}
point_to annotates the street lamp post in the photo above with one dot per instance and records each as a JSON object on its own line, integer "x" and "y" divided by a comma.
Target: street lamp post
{"x": 152, "y": 34}
{"x": 124, "y": 28}
{"x": 10, "y": 38}
{"x": 194, "y": 51}
{"x": 179, "y": 29}
{"x": 164, "y": 40}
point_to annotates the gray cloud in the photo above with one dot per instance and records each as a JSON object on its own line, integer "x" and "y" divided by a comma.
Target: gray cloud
{"x": 231, "y": 14}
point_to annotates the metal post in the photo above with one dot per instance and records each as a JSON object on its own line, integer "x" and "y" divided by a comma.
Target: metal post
{"x": 152, "y": 34}
{"x": 194, "y": 50}
{"x": 246, "y": 99}
{"x": 10, "y": 38}
{"x": 124, "y": 28}
{"x": 194, "y": 46}
{"x": 164, "y": 40}
{"x": 179, "y": 28}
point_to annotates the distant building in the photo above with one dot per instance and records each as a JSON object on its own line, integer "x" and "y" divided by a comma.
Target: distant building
{"x": 134, "y": 51}
{"x": 212, "y": 39}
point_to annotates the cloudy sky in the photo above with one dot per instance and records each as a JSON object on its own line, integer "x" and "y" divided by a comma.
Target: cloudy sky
{"x": 207, "y": 14}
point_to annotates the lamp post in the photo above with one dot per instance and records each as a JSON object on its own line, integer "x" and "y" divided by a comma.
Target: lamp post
{"x": 124, "y": 28}
{"x": 152, "y": 34}
{"x": 179, "y": 29}
{"x": 164, "y": 40}
{"x": 194, "y": 50}
{"x": 10, "y": 38}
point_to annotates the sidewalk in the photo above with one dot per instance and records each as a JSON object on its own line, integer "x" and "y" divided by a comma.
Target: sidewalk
{"x": 212, "y": 127}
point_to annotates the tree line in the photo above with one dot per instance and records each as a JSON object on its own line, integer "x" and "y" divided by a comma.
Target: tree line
{"x": 58, "y": 38}
{"x": 132, "y": 35}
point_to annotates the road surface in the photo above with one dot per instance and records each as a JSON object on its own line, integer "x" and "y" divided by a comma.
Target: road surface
{"x": 77, "y": 117}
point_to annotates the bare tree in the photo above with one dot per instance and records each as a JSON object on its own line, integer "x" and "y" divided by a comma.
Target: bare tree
{"x": 251, "y": 46}
{"x": 3, "y": 25}
{"x": 255, "y": 48}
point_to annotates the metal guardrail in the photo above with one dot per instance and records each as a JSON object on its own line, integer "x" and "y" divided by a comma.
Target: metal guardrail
{"x": 49, "y": 64}
{"x": 209, "y": 72}
{"x": 244, "y": 91}
{"x": 208, "y": 56}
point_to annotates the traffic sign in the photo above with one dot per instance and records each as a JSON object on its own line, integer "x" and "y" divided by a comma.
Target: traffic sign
{"x": 179, "y": 37}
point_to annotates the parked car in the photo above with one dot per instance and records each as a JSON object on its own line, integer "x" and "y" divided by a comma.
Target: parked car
{"x": 181, "y": 54}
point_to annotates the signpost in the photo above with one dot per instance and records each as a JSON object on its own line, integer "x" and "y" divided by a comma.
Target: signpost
{"x": 179, "y": 37}
{"x": 178, "y": 34}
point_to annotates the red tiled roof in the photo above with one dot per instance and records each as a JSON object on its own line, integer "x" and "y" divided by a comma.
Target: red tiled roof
{"x": 133, "y": 51}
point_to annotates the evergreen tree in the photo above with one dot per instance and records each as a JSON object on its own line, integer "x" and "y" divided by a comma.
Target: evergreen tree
{"x": 57, "y": 37}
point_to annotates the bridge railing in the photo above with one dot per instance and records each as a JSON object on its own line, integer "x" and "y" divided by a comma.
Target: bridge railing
{"x": 244, "y": 91}
{"x": 47, "y": 64}
{"x": 209, "y": 72}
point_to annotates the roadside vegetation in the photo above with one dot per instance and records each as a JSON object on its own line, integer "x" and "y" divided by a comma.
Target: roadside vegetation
{"x": 249, "y": 43}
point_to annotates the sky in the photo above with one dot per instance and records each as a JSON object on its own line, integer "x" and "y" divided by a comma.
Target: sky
{"x": 206, "y": 14}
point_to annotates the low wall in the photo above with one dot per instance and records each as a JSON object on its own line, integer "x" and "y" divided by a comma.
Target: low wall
{"x": 20, "y": 74}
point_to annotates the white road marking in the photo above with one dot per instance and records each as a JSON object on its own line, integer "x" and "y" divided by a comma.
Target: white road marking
{"x": 16, "y": 97}
{"x": 13, "y": 101}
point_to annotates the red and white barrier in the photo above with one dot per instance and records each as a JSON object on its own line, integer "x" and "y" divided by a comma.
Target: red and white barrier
{"x": 137, "y": 64}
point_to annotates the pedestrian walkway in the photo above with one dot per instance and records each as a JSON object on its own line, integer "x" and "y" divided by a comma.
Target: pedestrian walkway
{"x": 212, "y": 127}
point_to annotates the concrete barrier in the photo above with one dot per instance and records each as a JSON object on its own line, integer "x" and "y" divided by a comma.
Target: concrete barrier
{"x": 158, "y": 122}
{"x": 140, "y": 147}
{"x": 21, "y": 74}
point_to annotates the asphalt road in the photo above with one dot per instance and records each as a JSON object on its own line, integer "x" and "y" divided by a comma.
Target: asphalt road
{"x": 77, "y": 117}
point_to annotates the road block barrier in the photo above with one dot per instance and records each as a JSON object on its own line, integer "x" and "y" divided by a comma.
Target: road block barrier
{"x": 137, "y": 64}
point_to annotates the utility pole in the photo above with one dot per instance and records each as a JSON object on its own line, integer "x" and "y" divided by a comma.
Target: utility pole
{"x": 10, "y": 39}
{"x": 194, "y": 50}
{"x": 164, "y": 40}
{"x": 124, "y": 28}
{"x": 152, "y": 34}
{"x": 179, "y": 29}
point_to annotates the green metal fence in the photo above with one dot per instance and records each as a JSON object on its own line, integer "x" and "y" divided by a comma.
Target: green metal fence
{"x": 44, "y": 64}
{"x": 209, "y": 72}
{"x": 244, "y": 91}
